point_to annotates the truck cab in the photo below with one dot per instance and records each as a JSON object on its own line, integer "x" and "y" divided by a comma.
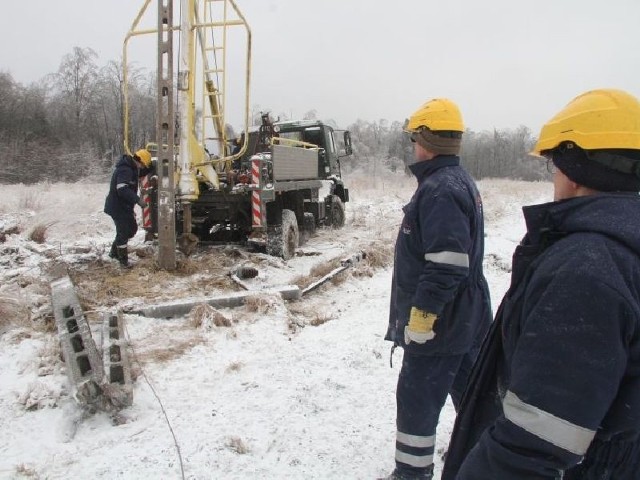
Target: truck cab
{"x": 333, "y": 143}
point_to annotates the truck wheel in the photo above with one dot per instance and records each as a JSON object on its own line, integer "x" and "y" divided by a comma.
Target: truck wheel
{"x": 337, "y": 212}
{"x": 282, "y": 240}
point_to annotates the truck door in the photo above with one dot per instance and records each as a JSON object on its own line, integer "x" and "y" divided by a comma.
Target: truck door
{"x": 332, "y": 152}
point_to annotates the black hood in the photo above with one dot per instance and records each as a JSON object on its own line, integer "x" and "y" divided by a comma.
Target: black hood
{"x": 126, "y": 160}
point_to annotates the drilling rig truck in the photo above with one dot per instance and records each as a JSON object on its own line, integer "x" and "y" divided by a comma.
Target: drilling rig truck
{"x": 272, "y": 186}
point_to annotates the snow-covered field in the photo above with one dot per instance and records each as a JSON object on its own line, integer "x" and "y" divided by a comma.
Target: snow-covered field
{"x": 290, "y": 390}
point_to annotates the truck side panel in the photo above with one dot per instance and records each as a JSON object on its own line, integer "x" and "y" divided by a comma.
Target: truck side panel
{"x": 294, "y": 163}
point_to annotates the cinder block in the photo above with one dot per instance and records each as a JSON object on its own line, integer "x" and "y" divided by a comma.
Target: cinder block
{"x": 116, "y": 360}
{"x": 84, "y": 365}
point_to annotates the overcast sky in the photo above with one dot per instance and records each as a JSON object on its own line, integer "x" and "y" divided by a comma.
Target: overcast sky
{"x": 506, "y": 63}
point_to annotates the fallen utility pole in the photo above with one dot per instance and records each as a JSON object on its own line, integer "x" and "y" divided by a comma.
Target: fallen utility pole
{"x": 177, "y": 309}
{"x": 236, "y": 299}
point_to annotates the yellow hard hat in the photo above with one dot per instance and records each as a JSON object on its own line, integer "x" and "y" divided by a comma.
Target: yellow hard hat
{"x": 597, "y": 119}
{"x": 144, "y": 156}
{"x": 437, "y": 114}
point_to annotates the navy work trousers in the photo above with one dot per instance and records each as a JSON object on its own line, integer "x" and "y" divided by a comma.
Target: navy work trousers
{"x": 126, "y": 227}
{"x": 423, "y": 385}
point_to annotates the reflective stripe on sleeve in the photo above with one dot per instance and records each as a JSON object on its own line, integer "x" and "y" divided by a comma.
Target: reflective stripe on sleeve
{"x": 415, "y": 440}
{"x": 414, "y": 460}
{"x": 450, "y": 258}
{"x": 555, "y": 430}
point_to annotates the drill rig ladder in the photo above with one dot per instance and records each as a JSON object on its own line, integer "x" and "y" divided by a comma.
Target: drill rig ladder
{"x": 204, "y": 28}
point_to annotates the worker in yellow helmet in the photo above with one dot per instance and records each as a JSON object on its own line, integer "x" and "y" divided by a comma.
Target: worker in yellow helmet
{"x": 439, "y": 309}
{"x": 122, "y": 197}
{"x": 555, "y": 392}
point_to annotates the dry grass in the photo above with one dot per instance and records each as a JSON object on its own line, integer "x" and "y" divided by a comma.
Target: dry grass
{"x": 498, "y": 196}
{"x": 234, "y": 367}
{"x": 16, "y": 313}
{"x": 23, "y": 470}
{"x": 166, "y": 353}
{"x": 50, "y": 357}
{"x": 25, "y": 304}
{"x": 261, "y": 303}
{"x": 379, "y": 254}
{"x": 237, "y": 445}
{"x": 13, "y": 313}
{"x": 30, "y": 199}
{"x": 46, "y": 324}
{"x": 106, "y": 283}
{"x": 320, "y": 318}
{"x": 321, "y": 270}
{"x": 303, "y": 314}
{"x": 39, "y": 233}
{"x": 388, "y": 184}
{"x": 316, "y": 273}
{"x": 212, "y": 262}
{"x": 205, "y": 316}
{"x": 294, "y": 324}
{"x": 186, "y": 266}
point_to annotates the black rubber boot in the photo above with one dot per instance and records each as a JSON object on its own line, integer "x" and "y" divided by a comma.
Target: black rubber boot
{"x": 113, "y": 253}
{"x": 421, "y": 474}
{"x": 123, "y": 256}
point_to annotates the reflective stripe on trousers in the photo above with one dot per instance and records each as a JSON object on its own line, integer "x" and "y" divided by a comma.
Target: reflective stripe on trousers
{"x": 414, "y": 450}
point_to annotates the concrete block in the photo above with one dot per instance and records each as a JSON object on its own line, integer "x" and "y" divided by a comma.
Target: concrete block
{"x": 117, "y": 367}
{"x": 83, "y": 361}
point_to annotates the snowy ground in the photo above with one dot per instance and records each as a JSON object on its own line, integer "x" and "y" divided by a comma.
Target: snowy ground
{"x": 290, "y": 390}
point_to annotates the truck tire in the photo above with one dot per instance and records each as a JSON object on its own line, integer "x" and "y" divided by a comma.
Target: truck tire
{"x": 337, "y": 216}
{"x": 282, "y": 240}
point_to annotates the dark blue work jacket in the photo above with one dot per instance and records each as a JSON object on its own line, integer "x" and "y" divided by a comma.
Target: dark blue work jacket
{"x": 438, "y": 260}
{"x": 123, "y": 189}
{"x": 558, "y": 377}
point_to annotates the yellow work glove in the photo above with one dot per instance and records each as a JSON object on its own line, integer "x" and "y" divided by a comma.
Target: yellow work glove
{"x": 420, "y": 328}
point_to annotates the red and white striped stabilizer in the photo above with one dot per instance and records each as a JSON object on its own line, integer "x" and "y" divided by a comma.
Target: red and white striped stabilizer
{"x": 146, "y": 211}
{"x": 257, "y": 210}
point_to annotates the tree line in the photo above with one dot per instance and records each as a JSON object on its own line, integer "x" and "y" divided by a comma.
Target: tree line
{"x": 69, "y": 126}
{"x": 382, "y": 146}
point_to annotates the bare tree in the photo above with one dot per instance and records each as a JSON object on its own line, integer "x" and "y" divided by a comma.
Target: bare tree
{"x": 310, "y": 115}
{"x": 75, "y": 83}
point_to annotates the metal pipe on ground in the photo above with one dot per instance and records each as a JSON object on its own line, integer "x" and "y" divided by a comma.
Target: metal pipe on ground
{"x": 344, "y": 264}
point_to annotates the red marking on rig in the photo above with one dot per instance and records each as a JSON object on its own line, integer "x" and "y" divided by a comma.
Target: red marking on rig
{"x": 256, "y": 209}
{"x": 146, "y": 211}
{"x": 255, "y": 172}
{"x": 257, "y": 214}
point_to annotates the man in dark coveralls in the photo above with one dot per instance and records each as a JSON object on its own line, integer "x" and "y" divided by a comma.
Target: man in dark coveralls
{"x": 555, "y": 392}
{"x": 439, "y": 309}
{"x": 122, "y": 197}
